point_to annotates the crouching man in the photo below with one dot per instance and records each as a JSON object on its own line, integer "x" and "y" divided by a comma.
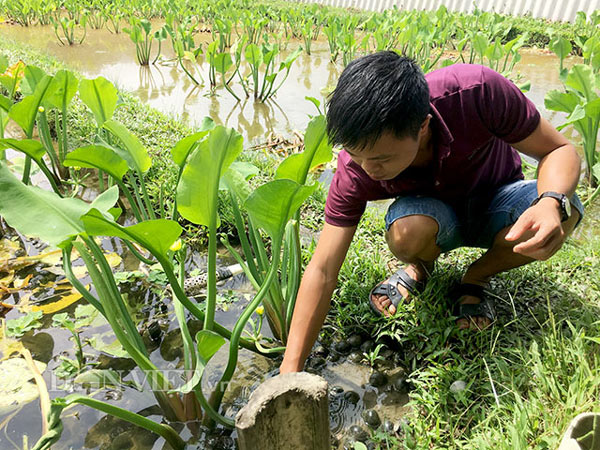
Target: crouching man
{"x": 445, "y": 147}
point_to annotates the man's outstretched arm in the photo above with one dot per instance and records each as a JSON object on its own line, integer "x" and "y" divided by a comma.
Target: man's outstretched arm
{"x": 314, "y": 296}
{"x": 559, "y": 169}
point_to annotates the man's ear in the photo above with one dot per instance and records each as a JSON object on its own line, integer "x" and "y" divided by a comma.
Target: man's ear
{"x": 425, "y": 126}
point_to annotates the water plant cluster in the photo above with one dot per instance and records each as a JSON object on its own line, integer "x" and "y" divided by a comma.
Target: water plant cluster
{"x": 207, "y": 164}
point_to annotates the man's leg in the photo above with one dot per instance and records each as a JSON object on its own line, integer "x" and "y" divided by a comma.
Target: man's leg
{"x": 418, "y": 230}
{"x": 412, "y": 239}
{"x": 499, "y": 258}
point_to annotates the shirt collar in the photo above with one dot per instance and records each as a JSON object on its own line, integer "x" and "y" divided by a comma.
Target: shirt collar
{"x": 442, "y": 136}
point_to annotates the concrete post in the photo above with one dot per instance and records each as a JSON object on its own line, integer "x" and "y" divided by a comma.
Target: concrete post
{"x": 583, "y": 433}
{"x": 286, "y": 412}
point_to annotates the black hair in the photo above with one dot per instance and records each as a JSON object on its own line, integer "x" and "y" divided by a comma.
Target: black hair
{"x": 377, "y": 93}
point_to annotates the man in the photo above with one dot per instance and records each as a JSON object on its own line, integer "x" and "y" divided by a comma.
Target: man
{"x": 445, "y": 146}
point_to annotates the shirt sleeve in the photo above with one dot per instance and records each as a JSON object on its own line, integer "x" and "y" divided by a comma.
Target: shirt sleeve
{"x": 345, "y": 205}
{"x": 506, "y": 111}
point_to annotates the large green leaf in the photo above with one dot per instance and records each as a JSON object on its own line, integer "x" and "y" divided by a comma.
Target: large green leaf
{"x": 33, "y": 75}
{"x": 154, "y": 235}
{"x": 35, "y": 212}
{"x": 182, "y": 149}
{"x": 574, "y": 118}
{"x": 556, "y": 100}
{"x": 253, "y": 55}
{"x": 480, "y": 43}
{"x": 97, "y": 157}
{"x": 25, "y": 112}
{"x": 197, "y": 190}
{"x": 561, "y": 46}
{"x": 316, "y": 151}
{"x": 236, "y": 179}
{"x": 100, "y": 96}
{"x": 274, "y": 203}
{"x": 64, "y": 86}
{"x": 592, "y": 110}
{"x": 514, "y": 43}
{"x": 133, "y": 152}
{"x": 223, "y": 63}
{"x": 494, "y": 51}
{"x": 30, "y": 147}
{"x": 581, "y": 80}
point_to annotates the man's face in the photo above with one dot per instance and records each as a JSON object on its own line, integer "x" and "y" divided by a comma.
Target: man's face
{"x": 388, "y": 157}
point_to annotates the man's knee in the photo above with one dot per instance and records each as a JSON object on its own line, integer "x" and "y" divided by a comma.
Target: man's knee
{"x": 413, "y": 238}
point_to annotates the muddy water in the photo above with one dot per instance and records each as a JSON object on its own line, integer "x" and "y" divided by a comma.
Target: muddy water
{"x": 168, "y": 89}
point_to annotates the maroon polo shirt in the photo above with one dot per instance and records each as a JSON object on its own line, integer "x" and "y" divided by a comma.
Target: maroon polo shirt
{"x": 476, "y": 115}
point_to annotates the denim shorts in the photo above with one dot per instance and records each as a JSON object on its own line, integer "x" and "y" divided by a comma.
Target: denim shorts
{"x": 478, "y": 220}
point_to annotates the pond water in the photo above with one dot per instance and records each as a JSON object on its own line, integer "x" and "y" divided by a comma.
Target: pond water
{"x": 167, "y": 89}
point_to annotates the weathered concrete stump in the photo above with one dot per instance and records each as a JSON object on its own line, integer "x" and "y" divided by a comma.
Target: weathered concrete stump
{"x": 583, "y": 433}
{"x": 286, "y": 412}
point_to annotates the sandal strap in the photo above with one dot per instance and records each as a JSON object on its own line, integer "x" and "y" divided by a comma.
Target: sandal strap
{"x": 468, "y": 310}
{"x": 410, "y": 284}
{"x": 390, "y": 290}
{"x": 483, "y": 309}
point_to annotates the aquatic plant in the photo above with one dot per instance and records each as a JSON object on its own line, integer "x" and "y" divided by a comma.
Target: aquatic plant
{"x": 265, "y": 70}
{"x": 222, "y": 31}
{"x": 140, "y": 33}
{"x": 71, "y": 224}
{"x": 95, "y": 14}
{"x": 114, "y": 16}
{"x": 280, "y": 299}
{"x": 562, "y": 47}
{"x": 582, "y": 104}
{"x": 68, "y": 28}
{"x": 181, "y": 31}
{"x": 42, "y": 92}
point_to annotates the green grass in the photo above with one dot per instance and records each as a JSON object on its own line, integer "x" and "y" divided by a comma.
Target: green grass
{"x": 527, "y": 376}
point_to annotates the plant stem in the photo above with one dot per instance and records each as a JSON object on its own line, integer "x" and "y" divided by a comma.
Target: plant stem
{"x": 211, "y": 282}
{"x": 217, "y": 396}
{"x": 137, "y": 254}
{"x": 194, "y": 309}
{"x": 149, "y": 207}
{"x": 165, "y": 431}
{"x": 132, "y": 203}
{"x": 139, "y": 202}
{"x": 26, "y": 170}
{"x": 44, "y": 132}
{"x": 77, "y": 284}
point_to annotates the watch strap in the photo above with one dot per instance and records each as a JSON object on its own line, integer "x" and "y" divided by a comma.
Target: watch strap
{"x": 561, "y": 198}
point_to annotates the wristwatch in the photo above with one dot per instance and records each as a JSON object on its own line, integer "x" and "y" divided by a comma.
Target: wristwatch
{"x": 563, "y": 201}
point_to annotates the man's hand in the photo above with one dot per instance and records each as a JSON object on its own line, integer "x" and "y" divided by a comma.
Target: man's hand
{"x": 539, "y": 229}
